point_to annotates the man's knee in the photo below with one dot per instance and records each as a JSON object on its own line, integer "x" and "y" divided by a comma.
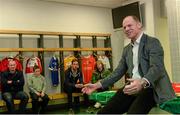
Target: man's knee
{"x": 68, "y": 90}
{"x": 24, "y": 96}
{"x": 7, "y": 96}
{"x": 46, "y": 97}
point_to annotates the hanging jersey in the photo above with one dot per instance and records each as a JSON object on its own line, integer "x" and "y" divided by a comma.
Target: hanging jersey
{"x": 31, "y": 62}
{"x": 105, "y": 61}
{"x": 54, "y": 66}
{"x": 67, "y": 62}
{"x": 5, "y": 61}
{"x": 88, "y": 64}
{"x": 0, "y": 66}
{"x": 0, "y": 82}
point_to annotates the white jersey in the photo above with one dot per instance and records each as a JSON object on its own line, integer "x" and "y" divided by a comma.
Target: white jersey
{"x": 105, "y": 61}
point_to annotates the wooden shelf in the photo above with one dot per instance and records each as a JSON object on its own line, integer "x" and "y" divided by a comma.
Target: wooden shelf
{"x": 26, "y": 32}
{"x": 20, "y": 49}
{"x": 77, "y": 49}
{"x": 52, "y": 49}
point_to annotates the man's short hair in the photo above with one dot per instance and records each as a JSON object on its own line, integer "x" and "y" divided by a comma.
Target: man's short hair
{"x": 35, "y": 67}
{"x": 135, "y": 18}
{"x": 75, "y": 60}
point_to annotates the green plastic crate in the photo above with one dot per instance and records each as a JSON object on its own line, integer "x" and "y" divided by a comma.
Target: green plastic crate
{"x": 172, "y": 106}
{"x": 102, "y": 97}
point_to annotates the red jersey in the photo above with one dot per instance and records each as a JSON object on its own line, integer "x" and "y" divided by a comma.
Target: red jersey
{"x": 0, "y": 66}
{"x": 5, "y": 61}
{"x": 88, "y": 63}
{"x": 31, "y": 62}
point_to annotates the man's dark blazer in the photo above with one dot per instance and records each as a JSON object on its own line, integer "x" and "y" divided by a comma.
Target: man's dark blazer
{"x": 151, "y": 66}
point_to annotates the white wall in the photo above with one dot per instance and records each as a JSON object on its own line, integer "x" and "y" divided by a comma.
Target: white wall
{"x": 162, "y": 33}
{"x": 173, "y": 14}
{"x": 47, "y": 16}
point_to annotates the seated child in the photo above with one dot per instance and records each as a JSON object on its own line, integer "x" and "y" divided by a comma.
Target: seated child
{"x": 37, "y": 87}
{"x": 99, "y": 73}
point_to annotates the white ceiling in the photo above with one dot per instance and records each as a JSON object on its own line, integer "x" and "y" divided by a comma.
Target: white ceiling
{"x": 98, "y": 3}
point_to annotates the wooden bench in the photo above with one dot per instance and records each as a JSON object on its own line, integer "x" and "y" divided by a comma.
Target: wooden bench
{"x": 64, "y": 95}
{"x": 16, "y": 101}
{"x": 51, "y": 97}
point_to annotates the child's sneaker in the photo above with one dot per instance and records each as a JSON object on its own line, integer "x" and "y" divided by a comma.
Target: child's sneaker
{"x": 97, "y": 105}
{"x": 71, "y": 111}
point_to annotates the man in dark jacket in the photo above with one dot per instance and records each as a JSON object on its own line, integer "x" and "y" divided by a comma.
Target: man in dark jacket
{"x": 73, "y": 83}
{"x": 12, "y": 82}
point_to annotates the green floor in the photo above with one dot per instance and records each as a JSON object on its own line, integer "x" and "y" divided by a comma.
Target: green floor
{"x": 92, "y": 110}
{"x": 157, "y": 110}
{"x": 65, "y": 110}
{"x": 62, "y": 109}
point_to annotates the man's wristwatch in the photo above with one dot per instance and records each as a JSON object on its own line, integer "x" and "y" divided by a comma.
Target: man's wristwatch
{"x": 144, "y": 83}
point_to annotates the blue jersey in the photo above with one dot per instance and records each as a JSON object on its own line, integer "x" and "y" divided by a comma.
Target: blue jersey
{"x": 53, "y": 66}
